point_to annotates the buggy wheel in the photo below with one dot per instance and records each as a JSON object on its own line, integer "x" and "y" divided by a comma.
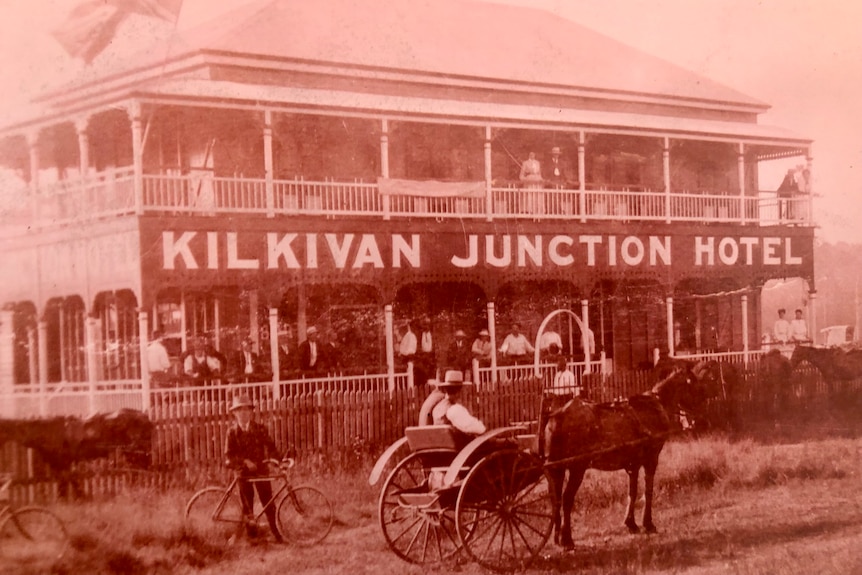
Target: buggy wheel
{"x": 305, "y": 516}
{"x": 418, "y": 522}
{"x": 31, "y": 533}
{"x": 505, "y": 510}
{"x": 202, "y": 519}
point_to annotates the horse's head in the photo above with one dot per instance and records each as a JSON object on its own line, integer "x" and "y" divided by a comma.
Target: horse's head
{"x": 681, "y": 390}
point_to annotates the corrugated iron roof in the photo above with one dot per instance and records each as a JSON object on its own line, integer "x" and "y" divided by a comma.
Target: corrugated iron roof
{"x": 453, "y": 38}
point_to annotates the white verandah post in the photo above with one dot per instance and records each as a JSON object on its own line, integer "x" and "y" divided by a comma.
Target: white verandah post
{"x": 143, "y": 338}
{"x": 390, "y": 346}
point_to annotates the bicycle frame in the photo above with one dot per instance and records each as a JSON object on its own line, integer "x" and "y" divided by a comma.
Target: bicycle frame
{"x": 285, "y": 487}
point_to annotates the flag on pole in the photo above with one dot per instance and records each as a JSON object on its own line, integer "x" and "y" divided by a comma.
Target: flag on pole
{"x": 92, "y": 24}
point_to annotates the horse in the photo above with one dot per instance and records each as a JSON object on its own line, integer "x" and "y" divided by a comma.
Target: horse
{"x": 833, "y": 363}
{"x": 773, "y": 396}
{"x": 63, "y": 441}
{"x": 719, "y": 382}
{"x": 623, "y": 435}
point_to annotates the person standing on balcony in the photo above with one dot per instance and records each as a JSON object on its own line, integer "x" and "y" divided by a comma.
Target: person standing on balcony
{"x": 158, "y": 361}
{"x": 516, "y": 347}
{"x": 531, "y": 180}
{"x": 786, "y": 192}
{"x": 309, "y": 352}
{"x": 799, "y": 328}
{"x": 559, "y": 174}
{"x": 781, "y": 332}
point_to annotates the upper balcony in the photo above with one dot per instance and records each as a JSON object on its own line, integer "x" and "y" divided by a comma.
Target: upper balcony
{"x": 113, "y": 193}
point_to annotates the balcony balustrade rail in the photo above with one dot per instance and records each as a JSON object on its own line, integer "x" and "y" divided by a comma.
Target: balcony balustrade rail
{"x": 112, "y": 193}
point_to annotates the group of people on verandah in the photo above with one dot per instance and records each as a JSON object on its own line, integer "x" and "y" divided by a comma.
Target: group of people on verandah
{"x": 203, "y": 364}
{"x": 787, "y": 334}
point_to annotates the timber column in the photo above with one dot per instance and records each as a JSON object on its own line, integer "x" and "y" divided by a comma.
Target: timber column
{"x": 7, "y": 363}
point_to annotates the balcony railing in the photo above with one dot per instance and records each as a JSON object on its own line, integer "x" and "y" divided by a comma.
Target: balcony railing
{"x": 112, "y": 193}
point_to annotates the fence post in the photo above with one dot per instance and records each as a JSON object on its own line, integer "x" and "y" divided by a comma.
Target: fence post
{"x": 320, "y": 417}
{"x": 92, "y": 364}
{"x": 390, "y": 345}
{"x": 143, "y": 330}
{"x": 7, "y": 362}
{"x": 273, "y": 352}
{"x": 492, "y": 331}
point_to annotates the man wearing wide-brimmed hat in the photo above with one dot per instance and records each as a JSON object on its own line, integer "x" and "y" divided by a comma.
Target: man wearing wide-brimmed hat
{"x": 482, "y": 347}
{"x": 449, "y": 410}
{"x": 309, "y": 351}
{"x": 458, "y": 354}
{"x": 247, "y": 447}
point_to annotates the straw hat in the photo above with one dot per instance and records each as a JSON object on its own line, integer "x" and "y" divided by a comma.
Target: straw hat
{"x": 452, "y": 379}
{"x": 484, "y": 333}
{"x": 240, "y": 401}
{"x": 460, "y": 333}
{"x": 311, "y": 330}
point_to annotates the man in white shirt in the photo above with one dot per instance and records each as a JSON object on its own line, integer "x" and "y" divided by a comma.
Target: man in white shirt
{"x": 158, "y": 360}
{"x": 408, "y": 344}
{"x": 449, "y": 410}
{"x": 550, "y": 338}
{"x": 799, "y": 328}
{"x": 564, "y": 380}
{"x": 516, "y": 346}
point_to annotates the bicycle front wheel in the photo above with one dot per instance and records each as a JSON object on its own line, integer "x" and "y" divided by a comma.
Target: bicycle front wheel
{"x": 305, "y": 516}
{"x": 32, "y": 533}
{"x": 204, "y": 517}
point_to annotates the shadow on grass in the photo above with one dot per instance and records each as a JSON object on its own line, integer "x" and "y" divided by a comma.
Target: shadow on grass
{"x": 636, "y": 553}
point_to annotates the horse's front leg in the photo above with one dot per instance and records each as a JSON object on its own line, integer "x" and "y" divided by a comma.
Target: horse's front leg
{"x": 576, "y": 477}
{"x": 557, "y": 476}
{"x": 633, "y": 497}
{"x": 649, "y": 482}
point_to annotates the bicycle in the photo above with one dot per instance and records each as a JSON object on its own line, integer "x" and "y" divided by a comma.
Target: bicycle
{"x": 303, "y": 512}
{"x": 28, "y": 533}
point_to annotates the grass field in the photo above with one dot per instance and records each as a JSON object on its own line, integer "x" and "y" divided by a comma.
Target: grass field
{"x": 722, "y": 506}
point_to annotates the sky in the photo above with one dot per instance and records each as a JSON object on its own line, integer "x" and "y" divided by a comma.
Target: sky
{"x": 803, "y": 57}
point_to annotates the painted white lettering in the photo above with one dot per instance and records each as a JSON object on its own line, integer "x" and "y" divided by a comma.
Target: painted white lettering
{"x": 472, "y": 257}
{"x": 339, "y": 252}
{"x": 657, "y": 250}
{"x": 171, "y": 249}
{"x": 410, "y": 252}
{"x": 368, "y": 253}
{"x": 704, "y": 246}
{"x": 591, "y": 242}
{"x": 749, "y": 244}
{"x": 212, "y": 250}
{"x": 276, "y": 249}
{"x": 632, "y": 259}
{"x": 789, "y": 258}
{"x": 728, "y": 251}
{"x": 491, "y": 257}
{"x": 311, "y": 251}
{"x": 554, "y": 251}
{"x": 612, "y": 250}
{"x": 233, "y": 260}
{"x": 534, "y": 250}
{"x": 770, "y": 246}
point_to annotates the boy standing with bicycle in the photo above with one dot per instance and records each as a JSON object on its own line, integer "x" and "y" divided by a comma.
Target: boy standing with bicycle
{"x": 247, "y": 447}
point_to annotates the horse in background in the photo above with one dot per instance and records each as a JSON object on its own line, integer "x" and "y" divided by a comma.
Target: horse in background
{"x": 61, "y": 442}
{"x": 720, "y": 383}
{"x": 833, "y": 363}
{"x": 772, "y": 396}
{"x": 627, "y": 435}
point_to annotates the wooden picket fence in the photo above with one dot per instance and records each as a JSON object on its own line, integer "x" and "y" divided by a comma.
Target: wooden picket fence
{"x": 190, "y": 429}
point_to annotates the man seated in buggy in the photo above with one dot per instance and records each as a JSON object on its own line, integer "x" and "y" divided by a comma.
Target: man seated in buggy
{"x": 449, "y": 411}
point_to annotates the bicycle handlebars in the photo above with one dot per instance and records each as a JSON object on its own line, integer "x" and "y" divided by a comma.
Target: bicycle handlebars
{"x": 285, "y": 463}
